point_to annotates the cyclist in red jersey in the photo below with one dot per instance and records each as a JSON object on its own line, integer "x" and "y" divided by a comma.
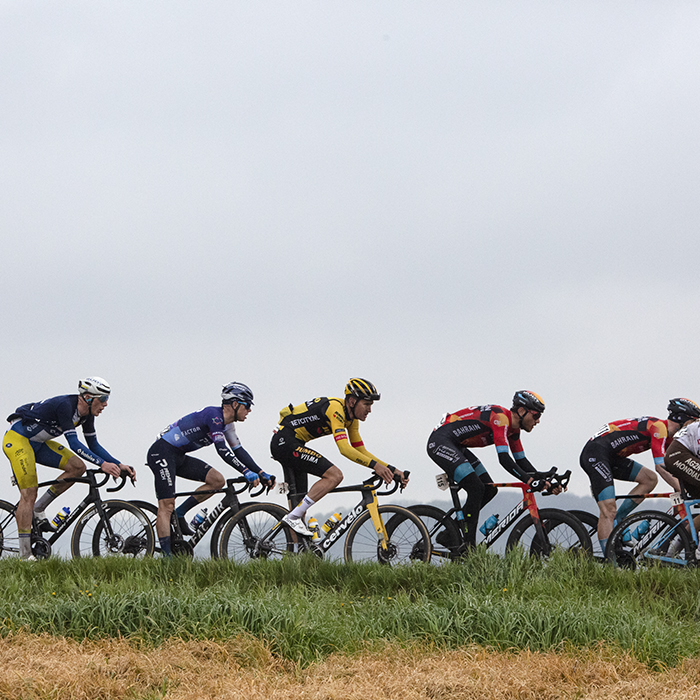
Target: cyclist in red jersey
{"x": 605, "y": 457}
{"x": 478, "y": 426}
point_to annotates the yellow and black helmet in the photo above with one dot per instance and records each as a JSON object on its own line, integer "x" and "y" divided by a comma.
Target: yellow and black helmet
{"x": 362, "y": 389}
{"x": 529, "y": 400}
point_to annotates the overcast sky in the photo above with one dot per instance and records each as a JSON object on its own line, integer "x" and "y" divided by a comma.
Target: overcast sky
{"x": 454, "y": 200}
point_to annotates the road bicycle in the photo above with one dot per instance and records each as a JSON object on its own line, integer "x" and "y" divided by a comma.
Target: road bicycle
{"x": 217, "y": 518}
{"x": 388, "y": 534}
{"x": 654, "y": 538}
{"x": 539, "y": 532}
{"x": 101, "y": 527}
{"x": 590, "y": 522}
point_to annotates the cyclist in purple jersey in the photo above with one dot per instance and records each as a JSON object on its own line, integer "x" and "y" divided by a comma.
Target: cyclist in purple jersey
{"x": 29, "y": 441}
{"x": 168, "y": 456}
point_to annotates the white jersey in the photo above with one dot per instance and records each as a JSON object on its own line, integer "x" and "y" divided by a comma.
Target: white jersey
{"x": 689, "y": 437}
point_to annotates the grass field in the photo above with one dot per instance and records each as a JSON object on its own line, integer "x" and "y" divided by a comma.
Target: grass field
{"x": 490, "y": 627}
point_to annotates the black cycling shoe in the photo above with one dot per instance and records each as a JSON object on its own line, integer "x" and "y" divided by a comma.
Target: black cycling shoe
{"x": 185, "y": 528}
{"x": 44, "y": 525}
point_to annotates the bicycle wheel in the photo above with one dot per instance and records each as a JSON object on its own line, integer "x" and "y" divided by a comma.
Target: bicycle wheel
{"x": 132, "y": 533}
{"x": 444, "y": 532}
{"x": 255, "y": 532}
{"x": 9, "y": 536}
{"x": 409, "y": 539}
{"x": 151, "y": 512}
{"x": 561, "y": 529}
{"x": 650, "y": 538}
{"x": 590, "y": 522}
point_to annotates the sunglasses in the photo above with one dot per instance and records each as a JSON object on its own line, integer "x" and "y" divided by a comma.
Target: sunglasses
{"x": 536, "y": 415}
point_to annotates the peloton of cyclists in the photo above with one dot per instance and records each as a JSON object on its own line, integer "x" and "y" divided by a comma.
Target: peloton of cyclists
{"x": 324, "y": 416}
{"x": 169, "y": 457}
{"x": 605, "y": 457}
{"x": 30, "y": 441}
{"x": 450, "y": 442}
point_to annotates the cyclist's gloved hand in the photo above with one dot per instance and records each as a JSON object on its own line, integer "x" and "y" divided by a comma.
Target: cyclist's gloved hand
{"x": 267, "y": 479}
{"x": 539, "y": 482}
{"x": 251, "y": 477}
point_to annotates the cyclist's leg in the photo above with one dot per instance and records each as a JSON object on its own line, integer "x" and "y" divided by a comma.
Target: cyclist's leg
{"x": 20, "y": 452}
{"x": 196, "y": 470}
{"x": 162, "y": 460}
{"x": 595, "y": 461}
{"x": 645, "y": 481}
{"x": 53, "y": 454}
{"x": 299, "y": 460}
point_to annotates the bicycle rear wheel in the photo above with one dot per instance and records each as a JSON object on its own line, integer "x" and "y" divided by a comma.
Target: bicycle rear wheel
{"x": 255, "y": 532}
{"x": 648, "y": 538}
{"x": 409, "y": 540}
{"x": 444, "y": 532}
{"x": 590, "y": 522}
{"x": 132, "y": 533}
{"x": 561, "y": 531}
{"x": 9, "y": 536}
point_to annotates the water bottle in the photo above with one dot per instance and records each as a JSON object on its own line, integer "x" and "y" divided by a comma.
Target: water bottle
{"x": 641, "y": 530}
{"x": 490, "y": 523}
{"x": 198, "y": 519}
{"x": 313, "y": 526}
{"x": 626, "y": 536}
{"x": 331, "y": 522}
{"x": 60, "y": 517}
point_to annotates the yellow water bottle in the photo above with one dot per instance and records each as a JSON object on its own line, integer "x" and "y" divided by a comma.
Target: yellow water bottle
{"x": 331, "y": 522}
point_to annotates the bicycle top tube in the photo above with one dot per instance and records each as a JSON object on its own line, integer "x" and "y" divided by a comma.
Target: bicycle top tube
{"x": 245, "y": 486}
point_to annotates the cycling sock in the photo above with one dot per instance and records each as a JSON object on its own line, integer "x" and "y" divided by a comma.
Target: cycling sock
{"x": 165, "y": 546}
{"x": 25, "y": 544}
{"x": 628, "y": 505}
{"x": 186, "y": 506}
{"x": 301, "y": 509}
{"x": 45, "y": 500}
{"x": 603, "y": 544}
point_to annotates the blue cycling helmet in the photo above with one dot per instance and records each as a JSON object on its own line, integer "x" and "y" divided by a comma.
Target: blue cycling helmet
{"x": 235, "y": 391}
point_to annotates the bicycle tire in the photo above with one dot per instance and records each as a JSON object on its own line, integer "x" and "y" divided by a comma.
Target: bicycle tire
{"x": 244, "y": 536}
{"x": 133, "y": 532}
{"x": 9, "y": 535}
{"x": 215, "y": 540}
{"x": 441, "y": 526}
{"x": 409, "y": 540}
{"x": 650, "y": 548}
{"x": 563, "y": 530}
{"x": 590, "y": 522}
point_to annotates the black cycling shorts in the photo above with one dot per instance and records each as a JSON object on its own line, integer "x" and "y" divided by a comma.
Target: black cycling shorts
{"x": 298, "y": 461}
{"x": 166, "y": 462}
{"x": 603, "y": 466}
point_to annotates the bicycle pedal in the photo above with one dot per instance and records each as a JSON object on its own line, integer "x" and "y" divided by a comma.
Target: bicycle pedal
{"x": 44, "y": 525}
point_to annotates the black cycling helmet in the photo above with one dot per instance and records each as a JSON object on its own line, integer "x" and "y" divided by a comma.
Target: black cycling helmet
{"x": 681, "y": 410}
{"x": 362, "y": 389}
{"x": 235, "y": 391}
{"x": 529, "y": 400}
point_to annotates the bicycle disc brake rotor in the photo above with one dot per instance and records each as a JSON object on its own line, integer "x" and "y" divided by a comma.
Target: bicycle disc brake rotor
{"x": 41, "y": 549}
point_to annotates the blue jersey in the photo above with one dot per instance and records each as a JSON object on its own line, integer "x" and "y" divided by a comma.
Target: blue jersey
{"x": 58, "y": 416}
{"x": 207, "y": 427}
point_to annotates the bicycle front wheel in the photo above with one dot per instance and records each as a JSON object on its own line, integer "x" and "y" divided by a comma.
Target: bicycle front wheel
{"x": 409, "y": 539}
{"x": 560, "y": 531}
{"x": 650, "y": 538}
{"x": 444, "y": 532}
{"x": 9, "y": 536}
{"x": 123, "y": 529}
{"x": 255, "y": 532}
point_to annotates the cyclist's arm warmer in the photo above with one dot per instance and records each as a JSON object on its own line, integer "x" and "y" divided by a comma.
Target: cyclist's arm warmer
{"x": 81, "y": 450}
{"x": 230, "y": 458}
{"x": 509, "y": 464}
{"x": 524, "y": 463}
{"x": 246, "y": 460}
{"x": 353, "y": 448}
{"x": 100, "y": 451}
{"x": 658, "y": 434}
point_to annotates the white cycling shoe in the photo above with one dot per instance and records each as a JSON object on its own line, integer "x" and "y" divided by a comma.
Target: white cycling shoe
{"x": 298, "y": 525}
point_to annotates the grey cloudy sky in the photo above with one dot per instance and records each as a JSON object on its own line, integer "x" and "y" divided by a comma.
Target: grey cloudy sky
{"x": 455, "y": 200}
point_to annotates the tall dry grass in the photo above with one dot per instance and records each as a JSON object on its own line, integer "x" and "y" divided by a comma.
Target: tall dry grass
{"x": 34, "y": 667}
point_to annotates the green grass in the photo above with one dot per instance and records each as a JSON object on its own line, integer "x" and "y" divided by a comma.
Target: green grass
{"x": 305, "y": 609}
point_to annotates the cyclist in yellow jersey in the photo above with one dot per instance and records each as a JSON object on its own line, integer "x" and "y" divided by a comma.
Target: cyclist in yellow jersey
{"x": 316, "y": 418}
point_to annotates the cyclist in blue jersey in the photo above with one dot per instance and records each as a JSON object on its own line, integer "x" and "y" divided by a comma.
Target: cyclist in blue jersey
{"x": 29, "y": 441}
{"x": 168, "y": 456}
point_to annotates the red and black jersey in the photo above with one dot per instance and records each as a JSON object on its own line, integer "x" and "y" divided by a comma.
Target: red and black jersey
{"x": 479, "y": 426}
{"x": 634, "y": 435}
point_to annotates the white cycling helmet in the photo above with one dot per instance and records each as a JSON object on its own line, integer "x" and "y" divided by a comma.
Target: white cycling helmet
{"x": 94, "y": 386}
